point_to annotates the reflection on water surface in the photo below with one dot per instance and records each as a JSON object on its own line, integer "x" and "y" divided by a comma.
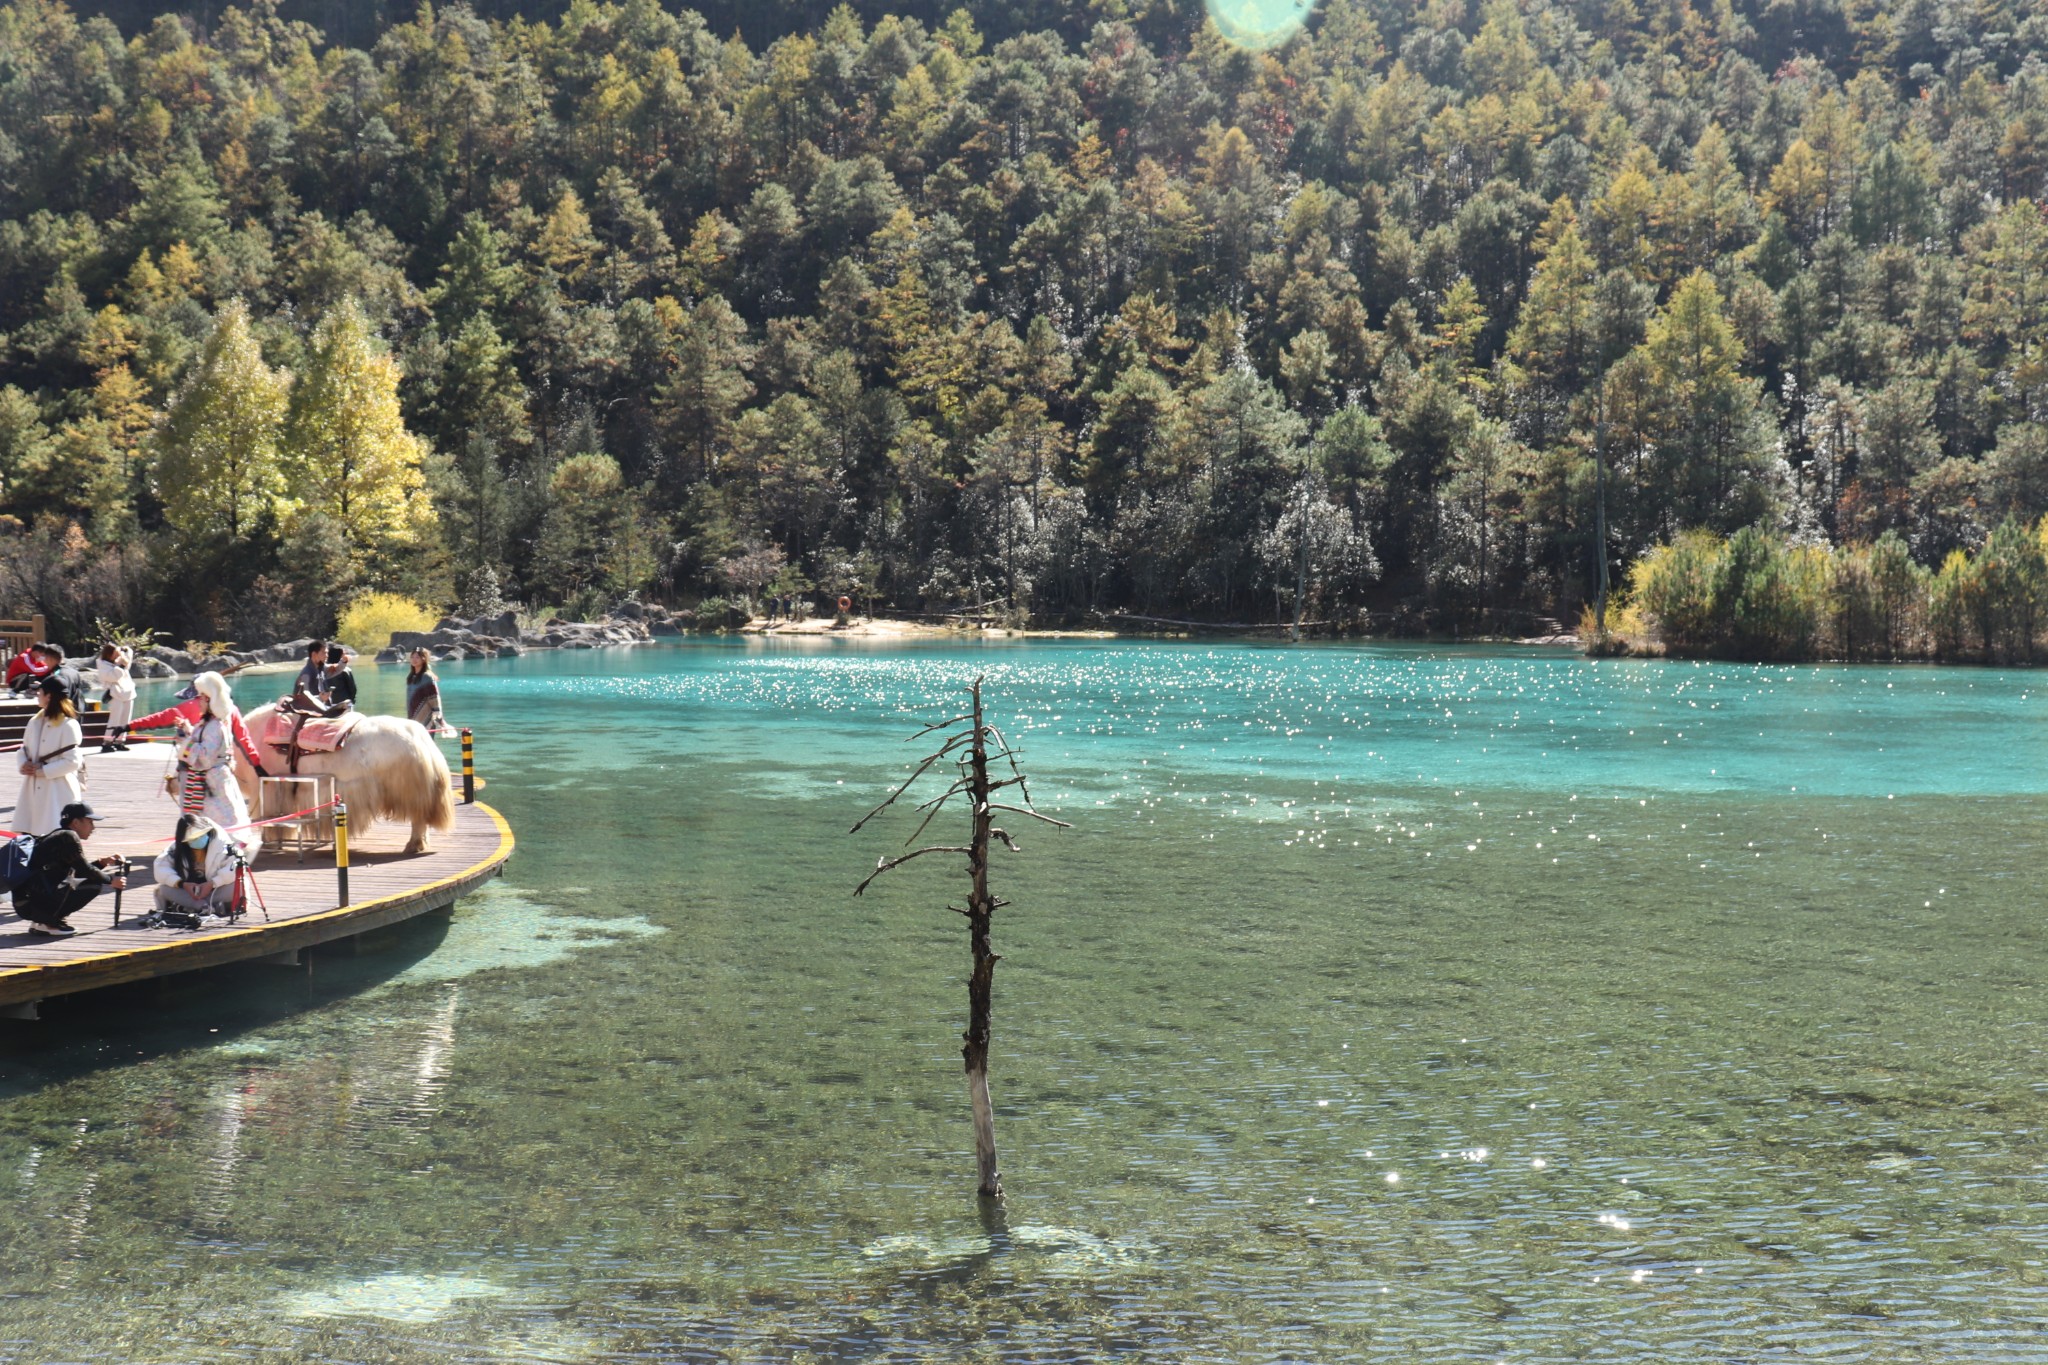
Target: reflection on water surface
{"x": 1385, "y": 1004}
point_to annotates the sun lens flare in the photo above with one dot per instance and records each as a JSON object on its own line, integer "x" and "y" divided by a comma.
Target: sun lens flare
{"x": 1259, "y": 24}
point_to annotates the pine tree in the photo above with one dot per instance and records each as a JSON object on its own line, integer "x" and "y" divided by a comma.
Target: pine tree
{"x": 593, "y": 539}
{"x": 1554, "y": 342}
{"x": 1707, "y": 442}
{"x": 2008, "y": 304}
{"x": 218, "y": 464}
{"x": 347, "y": 451}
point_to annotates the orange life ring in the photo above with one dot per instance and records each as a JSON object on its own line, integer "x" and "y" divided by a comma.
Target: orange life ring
{"x": 846, "y": 604}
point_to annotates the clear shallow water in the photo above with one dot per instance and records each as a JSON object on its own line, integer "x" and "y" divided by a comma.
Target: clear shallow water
{"x": 1718, "y": 1040}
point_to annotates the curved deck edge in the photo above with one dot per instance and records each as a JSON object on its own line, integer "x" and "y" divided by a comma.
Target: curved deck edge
{"x": 24, "y": 986}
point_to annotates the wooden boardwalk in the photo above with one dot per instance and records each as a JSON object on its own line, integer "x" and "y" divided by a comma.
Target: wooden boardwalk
{"x": 385, "y": 886}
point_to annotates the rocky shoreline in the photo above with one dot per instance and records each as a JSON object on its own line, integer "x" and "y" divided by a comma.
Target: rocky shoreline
{"x": 453, "y": 638}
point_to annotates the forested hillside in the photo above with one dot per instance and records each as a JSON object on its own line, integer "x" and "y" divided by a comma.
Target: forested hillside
{"x": 1076, "y": 308}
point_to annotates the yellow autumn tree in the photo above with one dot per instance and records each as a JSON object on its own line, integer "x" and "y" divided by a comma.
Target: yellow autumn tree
{"x": 347, "y": 452}
{"x": 218, "y": 465}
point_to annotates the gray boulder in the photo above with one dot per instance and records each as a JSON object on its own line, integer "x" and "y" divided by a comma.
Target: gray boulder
{"x": 176, "y": 659}
{"x": 431, "y": 639}
{"x": 152, "y": 668}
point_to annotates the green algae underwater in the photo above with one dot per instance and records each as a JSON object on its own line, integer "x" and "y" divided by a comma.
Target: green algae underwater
{"x": 1383, "y": 1004}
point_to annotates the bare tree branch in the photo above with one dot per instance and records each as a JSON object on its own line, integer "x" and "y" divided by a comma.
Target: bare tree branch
{"x": 959, "y": 786}
{"x": 937, "y": 804}
{"x": 1021, "y": 810}
{"x": 889, "y": 864}
{"x": 922, "y": 768}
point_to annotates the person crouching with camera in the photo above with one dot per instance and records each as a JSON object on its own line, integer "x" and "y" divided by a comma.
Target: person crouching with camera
{"x": 60, "y": 879}
{"x": 197, "y": 872}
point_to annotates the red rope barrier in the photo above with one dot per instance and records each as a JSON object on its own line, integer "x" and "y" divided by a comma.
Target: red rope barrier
{"x": 231, "y": 829}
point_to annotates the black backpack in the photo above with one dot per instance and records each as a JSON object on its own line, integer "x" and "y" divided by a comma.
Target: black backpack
{"x": 14, "y": 861}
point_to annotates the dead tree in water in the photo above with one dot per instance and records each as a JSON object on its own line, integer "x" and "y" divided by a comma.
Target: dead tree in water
{"x": 968, "y": 740}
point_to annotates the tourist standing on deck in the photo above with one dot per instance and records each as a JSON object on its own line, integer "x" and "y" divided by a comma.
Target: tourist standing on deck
{"x": 111, "y": 668}
{"x": 60, "y": 880}
{"x": 423, "y": 692}
{"x": 197, "y": 872}
{"x": 206, "y": 776}
{"x": 50, "y": 761}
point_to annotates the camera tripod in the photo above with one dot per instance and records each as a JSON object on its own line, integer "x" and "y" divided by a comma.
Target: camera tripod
{"x": 245, "y": 876}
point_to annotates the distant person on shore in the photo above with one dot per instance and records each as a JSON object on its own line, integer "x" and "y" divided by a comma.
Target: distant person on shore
{"x": 51, "y": 760}
{"x": 341, "y": 680}
{"x": 111, "y": 669}
{"x": 206, "y": 778}
{"x": 423, "y": 692}
{"x": 26, "y": 670}
{"x": 197, "y": 871}
{"x": 60, "y": 880}
{"x": 309, "y": 688}
{"x": 189, "y": 706}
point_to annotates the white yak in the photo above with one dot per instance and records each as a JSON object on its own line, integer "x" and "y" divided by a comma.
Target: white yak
{"x": 388, "y": 769}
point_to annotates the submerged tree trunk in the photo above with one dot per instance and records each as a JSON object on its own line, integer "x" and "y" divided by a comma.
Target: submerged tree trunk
{"x": 981, "y": 909}
{"x": 968, "y": 747}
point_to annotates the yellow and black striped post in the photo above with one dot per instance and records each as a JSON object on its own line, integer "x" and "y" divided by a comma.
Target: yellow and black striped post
{"x": 341, "y": 847}
{"x": 468, "y": 767}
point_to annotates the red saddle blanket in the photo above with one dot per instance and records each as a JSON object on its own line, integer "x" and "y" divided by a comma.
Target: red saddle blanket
{"x": 309, "y": 734}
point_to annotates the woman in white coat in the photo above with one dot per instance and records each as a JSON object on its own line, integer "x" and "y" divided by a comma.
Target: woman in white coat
{"x": 206, "y": 778}
{"x": 111, "y": 669}
{"x": 50, "y": 761}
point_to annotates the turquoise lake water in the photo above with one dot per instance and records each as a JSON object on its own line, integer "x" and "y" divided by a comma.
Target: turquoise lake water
{"x": 1383, "y": 1004}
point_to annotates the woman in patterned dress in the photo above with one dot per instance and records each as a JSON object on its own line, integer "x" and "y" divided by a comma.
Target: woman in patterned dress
{"x": 206, "y": 777}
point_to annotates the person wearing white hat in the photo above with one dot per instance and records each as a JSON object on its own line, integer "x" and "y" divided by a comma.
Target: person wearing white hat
{"x": 197, "y": 872}
{"x": 206, "y": 780}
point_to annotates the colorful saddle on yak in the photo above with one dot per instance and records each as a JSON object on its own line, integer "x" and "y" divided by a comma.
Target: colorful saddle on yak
{"x": 294, "y": 734}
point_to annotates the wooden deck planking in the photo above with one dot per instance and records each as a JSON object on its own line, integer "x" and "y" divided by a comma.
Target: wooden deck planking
{"x": 385, "y": 886}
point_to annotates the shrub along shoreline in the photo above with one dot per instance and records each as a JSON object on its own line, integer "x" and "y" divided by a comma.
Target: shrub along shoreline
{"x": 1757, "y": 596}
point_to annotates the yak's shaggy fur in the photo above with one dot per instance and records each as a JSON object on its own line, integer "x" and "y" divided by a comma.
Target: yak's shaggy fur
{"x": 389, "y": 769}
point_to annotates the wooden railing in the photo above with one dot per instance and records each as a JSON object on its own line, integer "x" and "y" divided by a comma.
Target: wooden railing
{"x": 14, "y": 723}
{"x": 15, "y": 636}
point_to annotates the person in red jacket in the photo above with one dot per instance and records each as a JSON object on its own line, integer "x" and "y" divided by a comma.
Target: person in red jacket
{"x": 26, "y": 670}
{"x": 189, "y": 706}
